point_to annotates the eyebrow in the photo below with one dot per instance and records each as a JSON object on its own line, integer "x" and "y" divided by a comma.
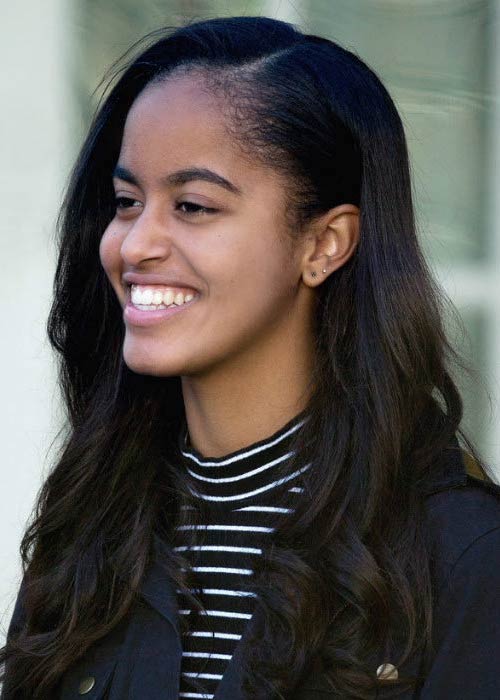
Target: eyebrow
{"x": 180, "y": 177}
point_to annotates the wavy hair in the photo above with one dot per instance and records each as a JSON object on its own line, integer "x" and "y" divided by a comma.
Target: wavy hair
{"x": 343, "y": 576}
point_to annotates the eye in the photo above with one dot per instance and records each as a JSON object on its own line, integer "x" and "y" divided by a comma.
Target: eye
{"x": 124, "y": 202}
{"x": 199, "y": 208}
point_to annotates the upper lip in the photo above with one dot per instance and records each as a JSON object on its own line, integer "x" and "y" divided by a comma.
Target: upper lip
{"x": 169, "y": 281}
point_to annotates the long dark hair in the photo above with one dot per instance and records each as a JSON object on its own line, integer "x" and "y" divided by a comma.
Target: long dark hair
{"x": 349, "y": 568}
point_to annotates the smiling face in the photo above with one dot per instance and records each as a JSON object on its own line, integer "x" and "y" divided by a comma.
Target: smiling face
{"x": 222, "y": 236}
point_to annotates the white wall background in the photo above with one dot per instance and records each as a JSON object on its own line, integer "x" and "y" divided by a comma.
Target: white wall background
{"x": 34, "y": 161}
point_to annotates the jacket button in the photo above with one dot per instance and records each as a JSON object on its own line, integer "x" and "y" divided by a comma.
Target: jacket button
{"x": 86, "y": 685}
{"x": 390, "y": 672}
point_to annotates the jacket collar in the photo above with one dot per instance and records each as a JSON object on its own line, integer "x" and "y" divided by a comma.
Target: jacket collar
{"x": 450, "y": 470}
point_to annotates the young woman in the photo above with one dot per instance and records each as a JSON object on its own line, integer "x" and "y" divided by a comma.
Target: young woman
{"x": 261, "y": 493}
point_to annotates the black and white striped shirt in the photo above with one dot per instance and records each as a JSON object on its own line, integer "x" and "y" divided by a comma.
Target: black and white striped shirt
{"x": 241, "y": 492}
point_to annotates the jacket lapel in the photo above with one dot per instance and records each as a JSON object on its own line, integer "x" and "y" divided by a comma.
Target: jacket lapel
{"x": 149, "y": 661}
{"x": 158, "y": 588}
{"x": 231, "y": 685}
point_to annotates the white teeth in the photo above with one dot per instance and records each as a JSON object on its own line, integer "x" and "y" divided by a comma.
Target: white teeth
{"x": 150, "y": 299}
{"x": 168, "y": 297}
{"x": 147, "y": 296}
{"x": 145, "y": 307}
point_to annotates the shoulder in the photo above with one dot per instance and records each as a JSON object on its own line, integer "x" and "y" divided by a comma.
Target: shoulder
{"x": 464, "y": 533}
{"x": 463, "y": 520}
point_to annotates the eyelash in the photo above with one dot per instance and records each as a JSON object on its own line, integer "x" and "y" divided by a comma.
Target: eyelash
{"x": 201, "y": 209}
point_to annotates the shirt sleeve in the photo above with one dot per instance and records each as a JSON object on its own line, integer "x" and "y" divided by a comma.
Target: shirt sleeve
{"x": 465, "y": 662}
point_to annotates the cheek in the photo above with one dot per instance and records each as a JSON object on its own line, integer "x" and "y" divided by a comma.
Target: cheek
{"x": 109, "y": 250}
{"x": 265, "y": 268}
{"x": 252, "y": 285}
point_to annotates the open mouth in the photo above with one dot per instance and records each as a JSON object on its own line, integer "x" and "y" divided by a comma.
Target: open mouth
{"x": 147, "y": 314}
{"x": 149, "y": 298}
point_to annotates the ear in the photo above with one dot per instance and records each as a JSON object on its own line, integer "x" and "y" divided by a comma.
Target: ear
{"x": 330, "y": 243}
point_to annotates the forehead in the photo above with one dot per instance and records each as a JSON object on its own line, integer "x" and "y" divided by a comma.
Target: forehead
{"x": 178, "y": 123}
{"x": 174, "y": 107}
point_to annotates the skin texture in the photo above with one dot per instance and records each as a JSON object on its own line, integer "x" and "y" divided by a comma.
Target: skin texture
{"x": 244, "y": 349}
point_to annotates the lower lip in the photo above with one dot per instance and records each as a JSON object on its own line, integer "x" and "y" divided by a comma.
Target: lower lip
{"x": 136, "y": 317}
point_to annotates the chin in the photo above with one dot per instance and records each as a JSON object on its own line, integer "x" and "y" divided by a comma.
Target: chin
{"x": 141, "y": 363}
{"x": 159, "y": 358}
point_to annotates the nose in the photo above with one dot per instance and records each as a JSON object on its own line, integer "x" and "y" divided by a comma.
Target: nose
{"x": 146, "y": 239}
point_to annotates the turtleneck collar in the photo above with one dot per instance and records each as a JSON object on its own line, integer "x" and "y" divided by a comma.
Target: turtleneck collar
{"x": 250, "y": 473}
{"x": 277, "y": 441}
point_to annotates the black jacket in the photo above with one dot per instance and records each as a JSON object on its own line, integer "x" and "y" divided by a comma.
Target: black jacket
{"x": 140, "y": 659}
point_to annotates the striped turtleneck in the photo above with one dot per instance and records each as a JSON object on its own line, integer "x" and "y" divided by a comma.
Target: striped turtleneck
{"x": 243, "y": 495}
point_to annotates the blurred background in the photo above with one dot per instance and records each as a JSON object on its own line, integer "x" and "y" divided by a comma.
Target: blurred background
{"x": 440, "y": 59}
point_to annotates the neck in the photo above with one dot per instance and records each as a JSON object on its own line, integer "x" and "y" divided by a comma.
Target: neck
{"x": 250, "y": 396}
